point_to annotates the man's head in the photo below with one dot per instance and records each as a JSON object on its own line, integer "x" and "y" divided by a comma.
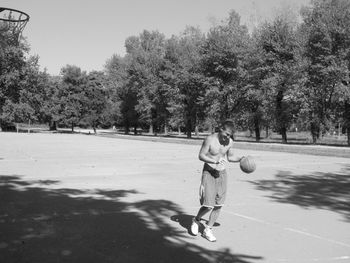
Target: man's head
{"x": 226, "y": 132}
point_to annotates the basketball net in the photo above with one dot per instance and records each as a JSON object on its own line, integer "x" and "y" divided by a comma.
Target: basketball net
{"x": 12, "y": 23}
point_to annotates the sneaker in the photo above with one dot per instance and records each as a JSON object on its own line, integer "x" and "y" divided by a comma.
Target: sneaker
{"x": 195, "y": 226}
{"x": 208, "y": 234}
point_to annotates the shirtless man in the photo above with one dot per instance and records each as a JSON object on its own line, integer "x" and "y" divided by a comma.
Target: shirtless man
{"x": 216, "y": 151}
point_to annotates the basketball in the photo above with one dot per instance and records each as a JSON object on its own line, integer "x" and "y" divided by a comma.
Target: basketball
{"x": 247, "y": 164}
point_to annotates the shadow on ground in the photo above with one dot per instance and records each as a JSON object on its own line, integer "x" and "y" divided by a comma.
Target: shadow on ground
{"x": 318, "y": 190}
{"x": 41, "y": 224}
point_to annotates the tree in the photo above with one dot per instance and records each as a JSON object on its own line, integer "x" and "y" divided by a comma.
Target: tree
{"x": 70, "y": 95}
{"x": 52, "y": 105}
{"x": 128, "y": 96}
{"x": 223, "y": 59}
{"x": 278, "y": 41}
{"x": 94, "y": 99}
{"x": 33, "y": 88}
{"x": 12, "y": 64}
{"x": 254, "y": 106}
{"x": 21, "y": 82}
{"x": 116, "y": 79}
{"x": 185, "y": 78}
{"x": 17, "y": 112}
{"x": 152, "y": 95}
{"x": 326, "y": 25}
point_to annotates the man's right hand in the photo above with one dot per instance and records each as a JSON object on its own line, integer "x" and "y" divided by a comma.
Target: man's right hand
{"x": 222, "y": 161}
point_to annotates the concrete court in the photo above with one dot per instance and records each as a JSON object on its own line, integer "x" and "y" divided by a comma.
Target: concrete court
{"x": 82, "y": 198}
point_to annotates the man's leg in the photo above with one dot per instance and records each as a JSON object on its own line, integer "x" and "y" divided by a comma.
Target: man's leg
{"x": 202, "y": 212}
{"x": 207, "y": 199}
{"x": 214, "y": 215}
{"x": 220, "y": 194}
{"x": 207, "y": 233}
{"x": 196, "y": 220}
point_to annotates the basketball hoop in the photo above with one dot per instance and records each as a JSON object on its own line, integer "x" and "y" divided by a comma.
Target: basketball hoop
{"x": 12, "y": 23}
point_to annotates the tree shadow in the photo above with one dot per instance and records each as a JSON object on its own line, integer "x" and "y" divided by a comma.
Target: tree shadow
{"x": 318, "y": 190}
{"x": 40, "y": 224}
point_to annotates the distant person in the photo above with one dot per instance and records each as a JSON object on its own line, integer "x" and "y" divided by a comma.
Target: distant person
{"x": 216, "y": 151}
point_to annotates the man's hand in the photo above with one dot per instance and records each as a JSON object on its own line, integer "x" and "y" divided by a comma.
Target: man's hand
{"x": 222, "y": 161}
{"x": 221, "y": 164}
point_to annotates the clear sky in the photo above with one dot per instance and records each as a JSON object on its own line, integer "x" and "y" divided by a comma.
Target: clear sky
{"x": 86, "y": 33}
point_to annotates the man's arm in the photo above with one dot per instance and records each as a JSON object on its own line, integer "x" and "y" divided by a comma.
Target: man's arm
{"x": 231, "y": 157}
{"x": 204, "y": 151}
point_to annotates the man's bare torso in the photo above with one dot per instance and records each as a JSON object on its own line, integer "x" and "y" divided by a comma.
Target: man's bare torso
{"x": 217, "y": 151}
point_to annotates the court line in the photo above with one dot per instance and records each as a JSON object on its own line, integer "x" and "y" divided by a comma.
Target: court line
{"x": 302, "y": 167}
{"x": 289, "y": 229}
{"x": 315, "y": 259}
{"x": 317, "y": 236}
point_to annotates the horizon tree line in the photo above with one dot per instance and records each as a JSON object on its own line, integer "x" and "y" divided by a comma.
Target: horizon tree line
{"x": 284, "y": 74}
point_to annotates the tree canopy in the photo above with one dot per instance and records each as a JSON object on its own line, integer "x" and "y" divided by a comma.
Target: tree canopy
{"x": 290, "y": 72}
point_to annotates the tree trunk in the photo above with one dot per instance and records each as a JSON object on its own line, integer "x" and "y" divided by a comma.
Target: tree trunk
{"x": 189, "y": 128}
{"x": 347, "y": 120}
{"x": 257, "y": 130}
{"x": 314, "y": 132}
{"x": 72, "y": 127}
{"x": 284, "y": 134}
{"x": 94, "y": 128}
{"x": 165, "y": 129}
{"x": 197, "y": 131}
{"x": 53, "y": 126}
{"x": 127, "y": 128}
{"x": 135, "y": 130}
{"x": 266, "y": 131}
{"x": 281, "y": 117}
